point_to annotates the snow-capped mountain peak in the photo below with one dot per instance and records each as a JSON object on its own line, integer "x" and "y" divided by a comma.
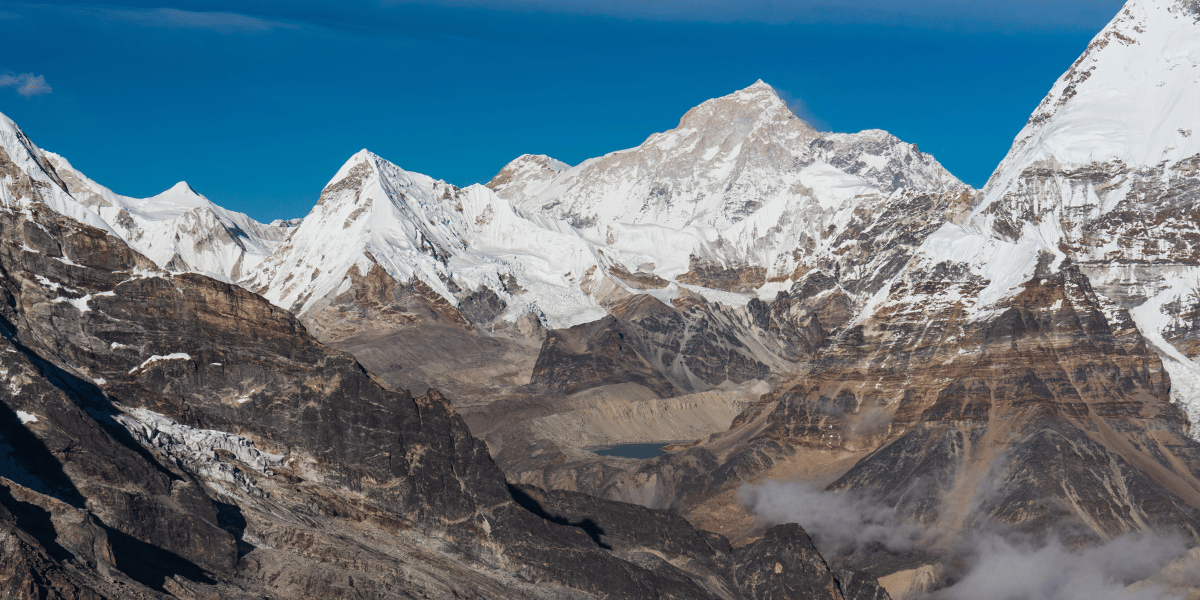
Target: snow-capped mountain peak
{"x": 375, "y": 220}
{"x": 1128, "y": 103}
{"x": 179, "y": 229}
{"x": 728, "y": 158}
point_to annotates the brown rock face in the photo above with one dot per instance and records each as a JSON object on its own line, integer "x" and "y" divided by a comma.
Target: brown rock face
{"x": 1050, "y": 418}
{"x": 175, "y": 435}
{"x": 674, "y": 350}
{"x": 742, "y": 279}
{"x": 375, "y": 301}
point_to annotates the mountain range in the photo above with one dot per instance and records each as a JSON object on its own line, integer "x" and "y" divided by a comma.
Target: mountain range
{"x": 399, "y": 394}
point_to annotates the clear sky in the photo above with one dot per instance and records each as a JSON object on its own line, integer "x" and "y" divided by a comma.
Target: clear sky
{"x": 257, "y": 103}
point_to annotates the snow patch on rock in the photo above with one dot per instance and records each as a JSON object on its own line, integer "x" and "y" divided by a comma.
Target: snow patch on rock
{"x": 157, "y": 357}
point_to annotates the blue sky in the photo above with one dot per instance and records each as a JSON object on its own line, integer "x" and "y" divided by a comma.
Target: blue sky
{"x": 257, "y": 103}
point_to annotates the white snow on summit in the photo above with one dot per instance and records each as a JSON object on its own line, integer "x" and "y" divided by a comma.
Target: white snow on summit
{"x": 727, "y": 158}
{"x": 26, "y": 177}
{"x": 373, "y": 213}
{"x": 741, "y": 182}
{"x": 179, "y": 229}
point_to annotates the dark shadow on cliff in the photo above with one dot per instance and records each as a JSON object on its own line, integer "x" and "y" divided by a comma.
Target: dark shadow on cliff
{"x": 530, "y": 504}
{"x": 150, "y": 565}
{"x": 88, "y": 396}
{"x": 37, "y": 460}
{"x": 35, "y": 521}
{"x": 231, "y": 519}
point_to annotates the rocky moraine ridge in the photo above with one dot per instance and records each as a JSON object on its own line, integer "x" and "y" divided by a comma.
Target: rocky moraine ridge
{"x": 801, "y": 319}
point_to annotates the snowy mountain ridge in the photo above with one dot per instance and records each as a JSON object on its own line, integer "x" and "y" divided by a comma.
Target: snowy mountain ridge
{"x": 179, "y": 229}
{"x": 728, "y": 157}
{"x": 28, "y": 178}
{"x": 565, "y": 258}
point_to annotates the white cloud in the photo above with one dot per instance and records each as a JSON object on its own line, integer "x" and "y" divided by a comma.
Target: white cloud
{"x": 169, "y": 18}
{"x": 982, "y": 566}
{"x": 839, "y": 522}
{"x": 26, "y": 84}
{"x": 984, "y": 15}
{"x": 1053, "y": 571}
{"x": 222, "y": 22}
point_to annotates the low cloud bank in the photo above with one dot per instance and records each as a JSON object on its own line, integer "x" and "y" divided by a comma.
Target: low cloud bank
{"x": 838, "y": 522}
{"x": 1001, "y": 570}
{"x": 985, "y": 566}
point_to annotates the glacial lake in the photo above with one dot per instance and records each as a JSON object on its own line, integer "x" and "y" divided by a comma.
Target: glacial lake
{"x": 632, "y": 450}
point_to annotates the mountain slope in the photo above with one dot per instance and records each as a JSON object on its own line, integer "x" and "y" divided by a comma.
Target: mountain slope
{"x": 1108, "y": 169}
{"x": 179, "y": 229}
{"x": 171, "y": 435}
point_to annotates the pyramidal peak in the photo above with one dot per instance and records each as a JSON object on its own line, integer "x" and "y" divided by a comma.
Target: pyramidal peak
{"x": 183, "y": 187}
{"x": 729, "y": 157}
{"x": 434, "y": 240}
{"x": 363, "y": 157}
{"x": 759, "y": 103}
{"x": 365, "y": 171}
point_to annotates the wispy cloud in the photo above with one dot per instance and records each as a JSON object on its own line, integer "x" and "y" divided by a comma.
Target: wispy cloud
{"x": 168, "y": 18}
{"x": 1054, "y": 571}
{"x": 928, "y": 14}
{"x": 801, "y": 109}
{"x": 26, "y": 84}
{"x": 839, "y": 522}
